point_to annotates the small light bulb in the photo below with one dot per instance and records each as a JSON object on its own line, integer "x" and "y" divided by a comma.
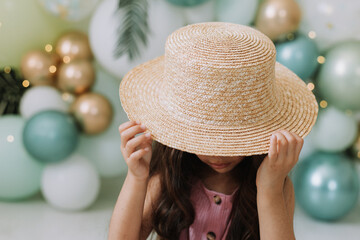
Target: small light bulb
{"x": 48, "y": 48}
{"x": 10, "y": 138}
{"x": 312, "y": 34}
{"x": 7, "y": 69}
{"x": 321, "y": 59}
{"x": 26, "y": 83}
{"x": 311, "y": 86}
{"x": 52, "y": 69}
{"x": 66, "y": 59}
{"x": 323, "y": 104}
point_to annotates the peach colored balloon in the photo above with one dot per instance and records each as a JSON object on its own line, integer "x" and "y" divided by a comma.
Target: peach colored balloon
{"x": 39, "y": 67}
{"x": 73, "y": 45}
{"x": 276, "y": 18}
{"x": 93, "y": 112}
{"x": 76, "y": 77}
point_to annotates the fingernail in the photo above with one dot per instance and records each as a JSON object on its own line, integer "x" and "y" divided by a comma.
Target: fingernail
{"x": 147, "y": 135}
{"x": 143, "y": 126}
{"x": 146, "y": 149}
{"x": 137, "y": 122}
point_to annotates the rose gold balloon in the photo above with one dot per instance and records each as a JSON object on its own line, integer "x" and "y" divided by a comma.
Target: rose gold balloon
{"x": 93, "y": 112}
{"x": 39, "y": 67}
{"x": 276, "y": 18}
{"x": 72, "y": 46}
{"x": 76, "y": 77}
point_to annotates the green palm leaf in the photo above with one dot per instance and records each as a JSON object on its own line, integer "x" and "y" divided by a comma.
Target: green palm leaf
{"x": 133, "y": 29}
{"x": 11, "y": 91}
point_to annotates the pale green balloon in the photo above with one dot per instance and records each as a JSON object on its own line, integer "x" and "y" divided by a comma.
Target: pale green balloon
{"x": 334, "y": 131}
{"x": 236, "y": 11}
{"x": 339, "y": 77}
{"x": 20, "y": 174}
{"x": 24, "y": 26}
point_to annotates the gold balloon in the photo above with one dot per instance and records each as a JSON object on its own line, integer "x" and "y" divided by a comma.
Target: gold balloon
{"x": 355, "y": 149}
{"x": 93, "y": 112}
{"x": 277, "y": 18}
{"x": 76, "y": 77}
{"x": 39, "y": 67}
{"x": 72, "y": 46}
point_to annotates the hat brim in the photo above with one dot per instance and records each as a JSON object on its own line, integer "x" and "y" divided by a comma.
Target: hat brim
{"x": 140, "y": 97}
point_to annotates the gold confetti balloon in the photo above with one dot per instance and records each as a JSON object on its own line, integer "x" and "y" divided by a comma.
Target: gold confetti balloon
{"x": 277, "y": 18}
{"x": 72, "y": 46}
{"x": 39, "y": 67}
{"x": 76, "y": 77}
{"x": 93, "y": 112}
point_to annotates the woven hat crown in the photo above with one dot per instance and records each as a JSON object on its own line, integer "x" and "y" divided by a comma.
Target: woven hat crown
{"x": 219, "y": 74}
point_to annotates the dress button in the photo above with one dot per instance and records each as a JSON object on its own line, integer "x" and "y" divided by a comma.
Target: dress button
{"x": 217, "y": 199}
{"x": 210, "y": 236}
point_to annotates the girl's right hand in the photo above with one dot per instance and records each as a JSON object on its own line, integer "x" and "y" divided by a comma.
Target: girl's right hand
{"x": 136, "y": 149}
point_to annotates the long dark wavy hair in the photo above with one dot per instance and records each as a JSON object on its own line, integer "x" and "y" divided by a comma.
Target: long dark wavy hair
{"x": 174, "y": 212}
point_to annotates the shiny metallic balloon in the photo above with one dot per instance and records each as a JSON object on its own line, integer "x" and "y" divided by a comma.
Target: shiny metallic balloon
{"x": 339, "y": 77}
{"x": 326, "y": 185}
{"x": 73, "y": 45}
{"x": 39, "y": 67}
{"x": 277, "y": 18}
{"x": 76, "y": 77}
{"x": 93, "y": 112}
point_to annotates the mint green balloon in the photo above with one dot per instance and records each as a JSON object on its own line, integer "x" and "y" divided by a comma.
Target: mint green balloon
{"x": 326, "y": 185}
{"x": 20, "y": 174}
{"x": 24, "y": 26}
{"x": 236, "y": 11}
{"x": 339, "y": 77}
{"x": 187, "y": 3}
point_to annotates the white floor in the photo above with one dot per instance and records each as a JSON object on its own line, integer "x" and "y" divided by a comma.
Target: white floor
{"x": 36, "y": 220}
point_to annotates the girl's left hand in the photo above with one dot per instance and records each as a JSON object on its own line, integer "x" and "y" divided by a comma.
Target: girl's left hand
{"x": 283, "y": 154}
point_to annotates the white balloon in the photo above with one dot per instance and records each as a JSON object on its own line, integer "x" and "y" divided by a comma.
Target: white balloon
{"x": 103, "y": 150}
{"x": 72, "y": 184}
{"x": 204, "y": 12}
{"x": 334, "y": 131}
{"x": 333, "y": 21}
{"x": 163, "y": 19}
{"x": 41, "y": 98}
{"x": 70, "y": 10}
{"x": 236, "y": 11}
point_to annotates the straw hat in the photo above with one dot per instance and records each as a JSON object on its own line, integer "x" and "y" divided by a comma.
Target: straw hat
{"x": 219, "y": 91}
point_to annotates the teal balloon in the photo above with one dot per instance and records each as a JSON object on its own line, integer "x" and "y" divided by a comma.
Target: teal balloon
{"x": 187, "y": 3}
{"x": 50, "y": 136}
{"x": 339, "y": 77}
{"x": 326, "y": 185}
{"x": 299, "y": 55}
{"x": 20, "y": 173}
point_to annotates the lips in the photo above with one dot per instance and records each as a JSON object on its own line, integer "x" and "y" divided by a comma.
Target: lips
{"x": 219, "y": 166}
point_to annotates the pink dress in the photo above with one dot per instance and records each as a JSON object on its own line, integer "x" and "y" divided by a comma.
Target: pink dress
{"x": 212, "y": 214}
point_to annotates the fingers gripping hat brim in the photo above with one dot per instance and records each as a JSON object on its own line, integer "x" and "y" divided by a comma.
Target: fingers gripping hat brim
{"x": 142, "y": 97}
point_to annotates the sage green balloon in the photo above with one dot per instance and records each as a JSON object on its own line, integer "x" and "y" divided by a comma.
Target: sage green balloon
{"x": 339, "y": 77}
{"x": 20, "y": 174}
{"x": 24, "y": 26}
{"x": 326, "y": 185}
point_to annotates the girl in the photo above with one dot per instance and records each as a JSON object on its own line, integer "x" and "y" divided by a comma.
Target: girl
{"x": 217, "y": 106}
